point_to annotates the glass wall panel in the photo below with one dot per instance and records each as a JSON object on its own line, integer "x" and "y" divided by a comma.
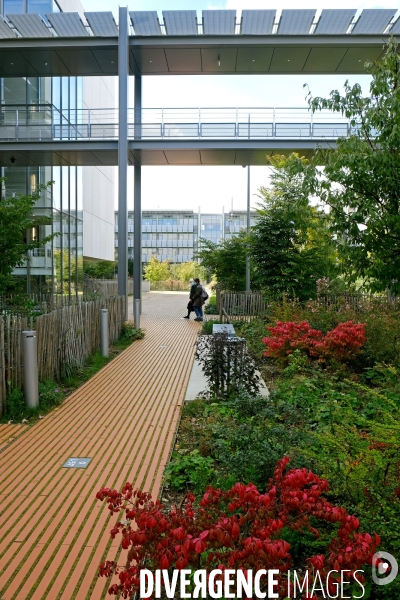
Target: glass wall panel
{"x": 40, "y": 6}
{"x": 13, "y": 7}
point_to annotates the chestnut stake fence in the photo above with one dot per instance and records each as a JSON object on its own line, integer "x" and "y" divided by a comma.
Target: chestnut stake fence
{"x": 66, "y": 338}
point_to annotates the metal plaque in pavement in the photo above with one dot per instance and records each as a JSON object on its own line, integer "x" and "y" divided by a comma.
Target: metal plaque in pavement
{"x": 77, "y": 463}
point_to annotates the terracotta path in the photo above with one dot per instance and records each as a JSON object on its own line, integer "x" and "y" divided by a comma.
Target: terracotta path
{"x": 53, "y": 532}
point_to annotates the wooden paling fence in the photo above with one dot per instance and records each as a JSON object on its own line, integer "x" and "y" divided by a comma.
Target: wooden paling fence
{"x": 104, "y": 288}
{"x": 66, "y": 337}
{"x": 169, "y": 285}
{"x": 239, "y": 305}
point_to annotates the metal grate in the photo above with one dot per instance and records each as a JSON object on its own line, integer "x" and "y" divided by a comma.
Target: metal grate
{"x": 180, "y": 22}
{"x": 257, "y": 22}
{"x": 30, "y": 26}
{"x": 67, "y": 24}
{"x": 334, "y": 21}
{"x": 102, "y": 23}
{"x": 145, "y": 22}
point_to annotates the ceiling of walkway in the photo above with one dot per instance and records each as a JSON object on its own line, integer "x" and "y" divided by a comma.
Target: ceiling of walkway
{"x": 336, "y": 41}
{"x": 185, "y": 153}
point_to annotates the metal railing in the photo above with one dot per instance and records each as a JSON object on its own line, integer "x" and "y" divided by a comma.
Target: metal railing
{"x": 45, "y": 123}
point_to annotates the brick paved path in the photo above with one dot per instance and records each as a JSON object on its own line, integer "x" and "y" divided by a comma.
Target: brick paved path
{"x": 53, "y": 532}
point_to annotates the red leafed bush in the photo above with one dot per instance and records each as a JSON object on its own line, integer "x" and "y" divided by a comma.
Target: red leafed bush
{"x": 340, "y": 343}
{"x": 238, "y": 529}
{"x": 290, "y": 336}
{"x": 343, "y": 342}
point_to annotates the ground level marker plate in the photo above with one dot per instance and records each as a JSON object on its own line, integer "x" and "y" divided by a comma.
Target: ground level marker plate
{"x": 77, "y": 463}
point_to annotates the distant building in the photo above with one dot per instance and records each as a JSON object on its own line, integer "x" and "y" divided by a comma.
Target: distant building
{"x": 174, "y": 235}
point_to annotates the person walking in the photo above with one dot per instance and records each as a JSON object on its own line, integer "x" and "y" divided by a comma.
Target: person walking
{"x": 198, "y": 300}
{"x": 190, "y": 308}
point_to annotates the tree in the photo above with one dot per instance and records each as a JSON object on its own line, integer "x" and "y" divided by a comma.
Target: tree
{"x": 290, "y": 245}
{"x": 361, "y": 181}
{"x": 227, "y": 262}
{"x": 156, "y": 270}
{"x": 188, "y": 270}
{"x": 16, "y": 218}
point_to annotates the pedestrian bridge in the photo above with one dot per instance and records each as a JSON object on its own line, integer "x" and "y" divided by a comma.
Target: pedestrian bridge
{"x": 42, "y": 123}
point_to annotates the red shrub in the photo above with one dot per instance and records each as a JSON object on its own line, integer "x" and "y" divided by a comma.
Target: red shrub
{"x": 341, "y": 343}
{"x": 237, "y": 529}
{"x": 289, "y": 336}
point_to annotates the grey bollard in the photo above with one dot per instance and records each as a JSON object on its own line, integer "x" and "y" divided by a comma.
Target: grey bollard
{"x": 104, "y": 337}
{"x": 30, "y": 368}
{"x": 136, "y": 313}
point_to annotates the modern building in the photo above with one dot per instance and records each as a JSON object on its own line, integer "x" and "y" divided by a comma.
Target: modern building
{"x": 81, "y": 200}
{"x": 175, "y": 235}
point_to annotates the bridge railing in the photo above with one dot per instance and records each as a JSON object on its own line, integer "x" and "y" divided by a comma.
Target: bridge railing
{"x": 44, "y": 122}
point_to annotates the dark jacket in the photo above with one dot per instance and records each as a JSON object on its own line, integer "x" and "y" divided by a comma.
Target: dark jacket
{"x": 192, "y": 290}
{"x": 198, "y": 299}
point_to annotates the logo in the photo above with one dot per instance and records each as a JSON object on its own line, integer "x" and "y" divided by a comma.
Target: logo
{"x": 384, "y": 568}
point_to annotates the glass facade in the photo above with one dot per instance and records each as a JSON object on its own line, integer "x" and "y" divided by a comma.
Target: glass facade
{"x": 58, "y": 266}
{"x": 13, "y": 7}
{"x": 175, "y": 237}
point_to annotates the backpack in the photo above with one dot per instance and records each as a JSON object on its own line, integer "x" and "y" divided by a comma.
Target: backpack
{"x": 204, "y": 294}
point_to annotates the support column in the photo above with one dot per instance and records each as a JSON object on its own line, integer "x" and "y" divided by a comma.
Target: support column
{"x": 137, "y": 227}
{"x": 123, "y": 77}
{"x": 248, "y": 231}
{"x": 137, "y": 244}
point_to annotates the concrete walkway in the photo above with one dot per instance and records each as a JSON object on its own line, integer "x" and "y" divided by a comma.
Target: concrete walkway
{"x": 54, "y": 533}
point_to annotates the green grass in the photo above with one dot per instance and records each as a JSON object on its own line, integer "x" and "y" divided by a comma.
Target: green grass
{"x": 53, "y": 393}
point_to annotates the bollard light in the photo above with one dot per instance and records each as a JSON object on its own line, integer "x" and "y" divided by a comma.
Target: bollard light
{"x": 104, "y": 336}
{"x": 30, "y": 368}
{"x": 136, "y": 313}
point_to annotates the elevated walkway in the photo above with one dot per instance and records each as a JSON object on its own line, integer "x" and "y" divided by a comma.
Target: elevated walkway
{"x": 42, "y": 134}
{"x": 54, "y": 533}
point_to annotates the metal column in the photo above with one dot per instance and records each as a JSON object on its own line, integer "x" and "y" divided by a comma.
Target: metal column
{"x": 123, "y": 76}
{"x": 248, "y": 231}
{"x": 137, "y": 211}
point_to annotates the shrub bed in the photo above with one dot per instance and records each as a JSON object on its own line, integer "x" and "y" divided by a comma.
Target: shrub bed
{"x": 334, "y": 409}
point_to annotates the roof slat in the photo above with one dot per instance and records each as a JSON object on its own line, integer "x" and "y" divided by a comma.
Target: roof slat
{"x": 219, "y": 22}
{"x": 145, "y": 22}
{"x": 296, "y": 22}
{"x": 374, "y": 20}
{"x": 30, "y": 26}
{"x": 180, "y": 22}
{"x": 67, "y": 24}
{"x": 396, "y": 27}
{"x": 5, "y": 30}
{"x": 334, "y": 21}
{"x": 257, "y": 22}
{"x": 102, "y": 23}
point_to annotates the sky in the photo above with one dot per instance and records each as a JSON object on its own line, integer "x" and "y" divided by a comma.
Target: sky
{"x": 211, "y": 188}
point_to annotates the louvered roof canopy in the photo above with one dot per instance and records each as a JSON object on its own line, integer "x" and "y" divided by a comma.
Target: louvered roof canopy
{"x": 194, "y": 42}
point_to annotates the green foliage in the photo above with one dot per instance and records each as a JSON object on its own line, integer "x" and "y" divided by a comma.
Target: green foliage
{"x": 227, "y": 366}
{"x": 189, "y": 270}
{"x": 156, "y": 270}
{"x": 219, "y": 258}
{"x": 16, "y": 218}
{"x": 189, "y": 469}
{"x": 382, "y": 321}
{"x": 130, "y": 333}
{"x": 51, "y": 395}
{"x": 207, "y": 326}
{"x": 101, "y": 269}
{"x": 362, "y": 175}
{"x": 290, "y": 244}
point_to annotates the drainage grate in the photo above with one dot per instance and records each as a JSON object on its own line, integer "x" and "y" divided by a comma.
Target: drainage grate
{"x": 76, "y": 463}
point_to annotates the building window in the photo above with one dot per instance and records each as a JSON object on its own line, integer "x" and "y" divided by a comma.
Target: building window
{"x": 40, "y": 6}
{"x": 13, "y": 7}
{"x": 168, "y": 221}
